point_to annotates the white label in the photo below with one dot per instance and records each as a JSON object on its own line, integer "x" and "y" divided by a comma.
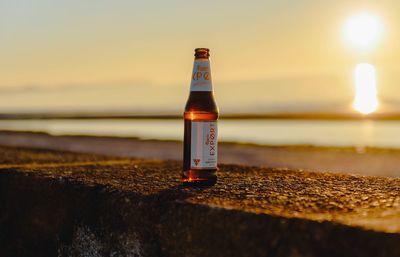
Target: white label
{"x": 201, "y": 76}
{"x": 204, "y": 145}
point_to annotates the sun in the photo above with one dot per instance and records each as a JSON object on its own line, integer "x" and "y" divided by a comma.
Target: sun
{"x": 363, "y": 30}
{"x": 366, "y": 95}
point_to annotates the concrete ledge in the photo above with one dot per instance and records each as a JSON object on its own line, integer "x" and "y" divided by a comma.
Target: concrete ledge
{"x": 64, "y": 204}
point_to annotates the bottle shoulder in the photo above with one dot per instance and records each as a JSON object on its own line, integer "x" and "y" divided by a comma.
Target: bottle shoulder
{"x": 200, "y": 101}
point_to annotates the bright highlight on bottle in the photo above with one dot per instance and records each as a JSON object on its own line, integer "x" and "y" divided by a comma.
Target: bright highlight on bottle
{"x": 366, "y": 99}
{"x": 363, "y": 30}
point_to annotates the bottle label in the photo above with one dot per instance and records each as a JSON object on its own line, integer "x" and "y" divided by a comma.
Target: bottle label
{"x": 201, "y": 76}
{"x": 204, "y": 145}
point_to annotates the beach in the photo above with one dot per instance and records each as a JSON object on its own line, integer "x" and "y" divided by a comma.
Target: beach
{"x": 352, "y": 160}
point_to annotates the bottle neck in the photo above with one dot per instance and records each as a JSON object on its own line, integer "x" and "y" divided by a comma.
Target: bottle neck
{"x": 201, "y": 75}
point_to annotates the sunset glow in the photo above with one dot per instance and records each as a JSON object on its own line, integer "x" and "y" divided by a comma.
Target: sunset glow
{"x": 365, "y": 100}
{"x": 291, "y": 56}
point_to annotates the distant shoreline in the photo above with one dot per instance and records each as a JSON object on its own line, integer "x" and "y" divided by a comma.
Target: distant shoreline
{"x": 250, "y": 116}
{"x": 367, "y": 161}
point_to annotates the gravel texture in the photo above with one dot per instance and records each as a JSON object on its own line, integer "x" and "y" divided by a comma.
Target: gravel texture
{"x": 65, "y": 204}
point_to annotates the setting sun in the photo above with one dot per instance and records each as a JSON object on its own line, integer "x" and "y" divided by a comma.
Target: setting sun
{"x": 365, "y": 100}
{"x": 363, "y": 30}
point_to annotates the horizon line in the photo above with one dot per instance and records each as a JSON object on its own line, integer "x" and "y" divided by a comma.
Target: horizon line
{"x": 232, "y": 116}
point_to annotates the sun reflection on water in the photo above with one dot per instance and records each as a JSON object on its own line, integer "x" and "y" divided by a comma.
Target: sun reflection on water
{"x": 366, "y": 95}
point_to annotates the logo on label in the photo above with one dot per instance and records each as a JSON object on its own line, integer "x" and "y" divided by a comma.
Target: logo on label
{"x": 201, "y": 76}
{"x": 210, "y": 140}
{"x": 203, "y": 151}
{"x": 202, "y": 73}
{"x": 196, "y": 161}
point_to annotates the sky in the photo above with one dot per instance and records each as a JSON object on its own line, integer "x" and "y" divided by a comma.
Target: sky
{"x": 266, "y": 56}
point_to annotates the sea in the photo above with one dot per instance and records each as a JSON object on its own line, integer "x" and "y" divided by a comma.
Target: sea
{"x": 354, "y": 133}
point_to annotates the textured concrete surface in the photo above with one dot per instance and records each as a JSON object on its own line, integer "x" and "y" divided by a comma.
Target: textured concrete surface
{"x": 64, "y": 204}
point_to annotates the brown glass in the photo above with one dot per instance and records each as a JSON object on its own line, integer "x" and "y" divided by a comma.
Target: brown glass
{"x": 200, "y": 106}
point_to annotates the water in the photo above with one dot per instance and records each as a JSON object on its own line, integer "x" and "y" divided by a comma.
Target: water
{"x": 276, "y": 132}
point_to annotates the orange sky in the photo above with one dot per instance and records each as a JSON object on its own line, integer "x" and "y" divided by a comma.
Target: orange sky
{"x": 275, "y": 48}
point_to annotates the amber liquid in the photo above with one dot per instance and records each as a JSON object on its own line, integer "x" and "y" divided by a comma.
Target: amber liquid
{"x": 200, "y": 107}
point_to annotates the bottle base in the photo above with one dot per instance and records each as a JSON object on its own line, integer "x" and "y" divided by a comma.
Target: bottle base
{"x": 199, "y": 178}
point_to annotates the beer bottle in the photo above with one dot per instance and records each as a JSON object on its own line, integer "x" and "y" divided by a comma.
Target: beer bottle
{"x": 200, "y": 136}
